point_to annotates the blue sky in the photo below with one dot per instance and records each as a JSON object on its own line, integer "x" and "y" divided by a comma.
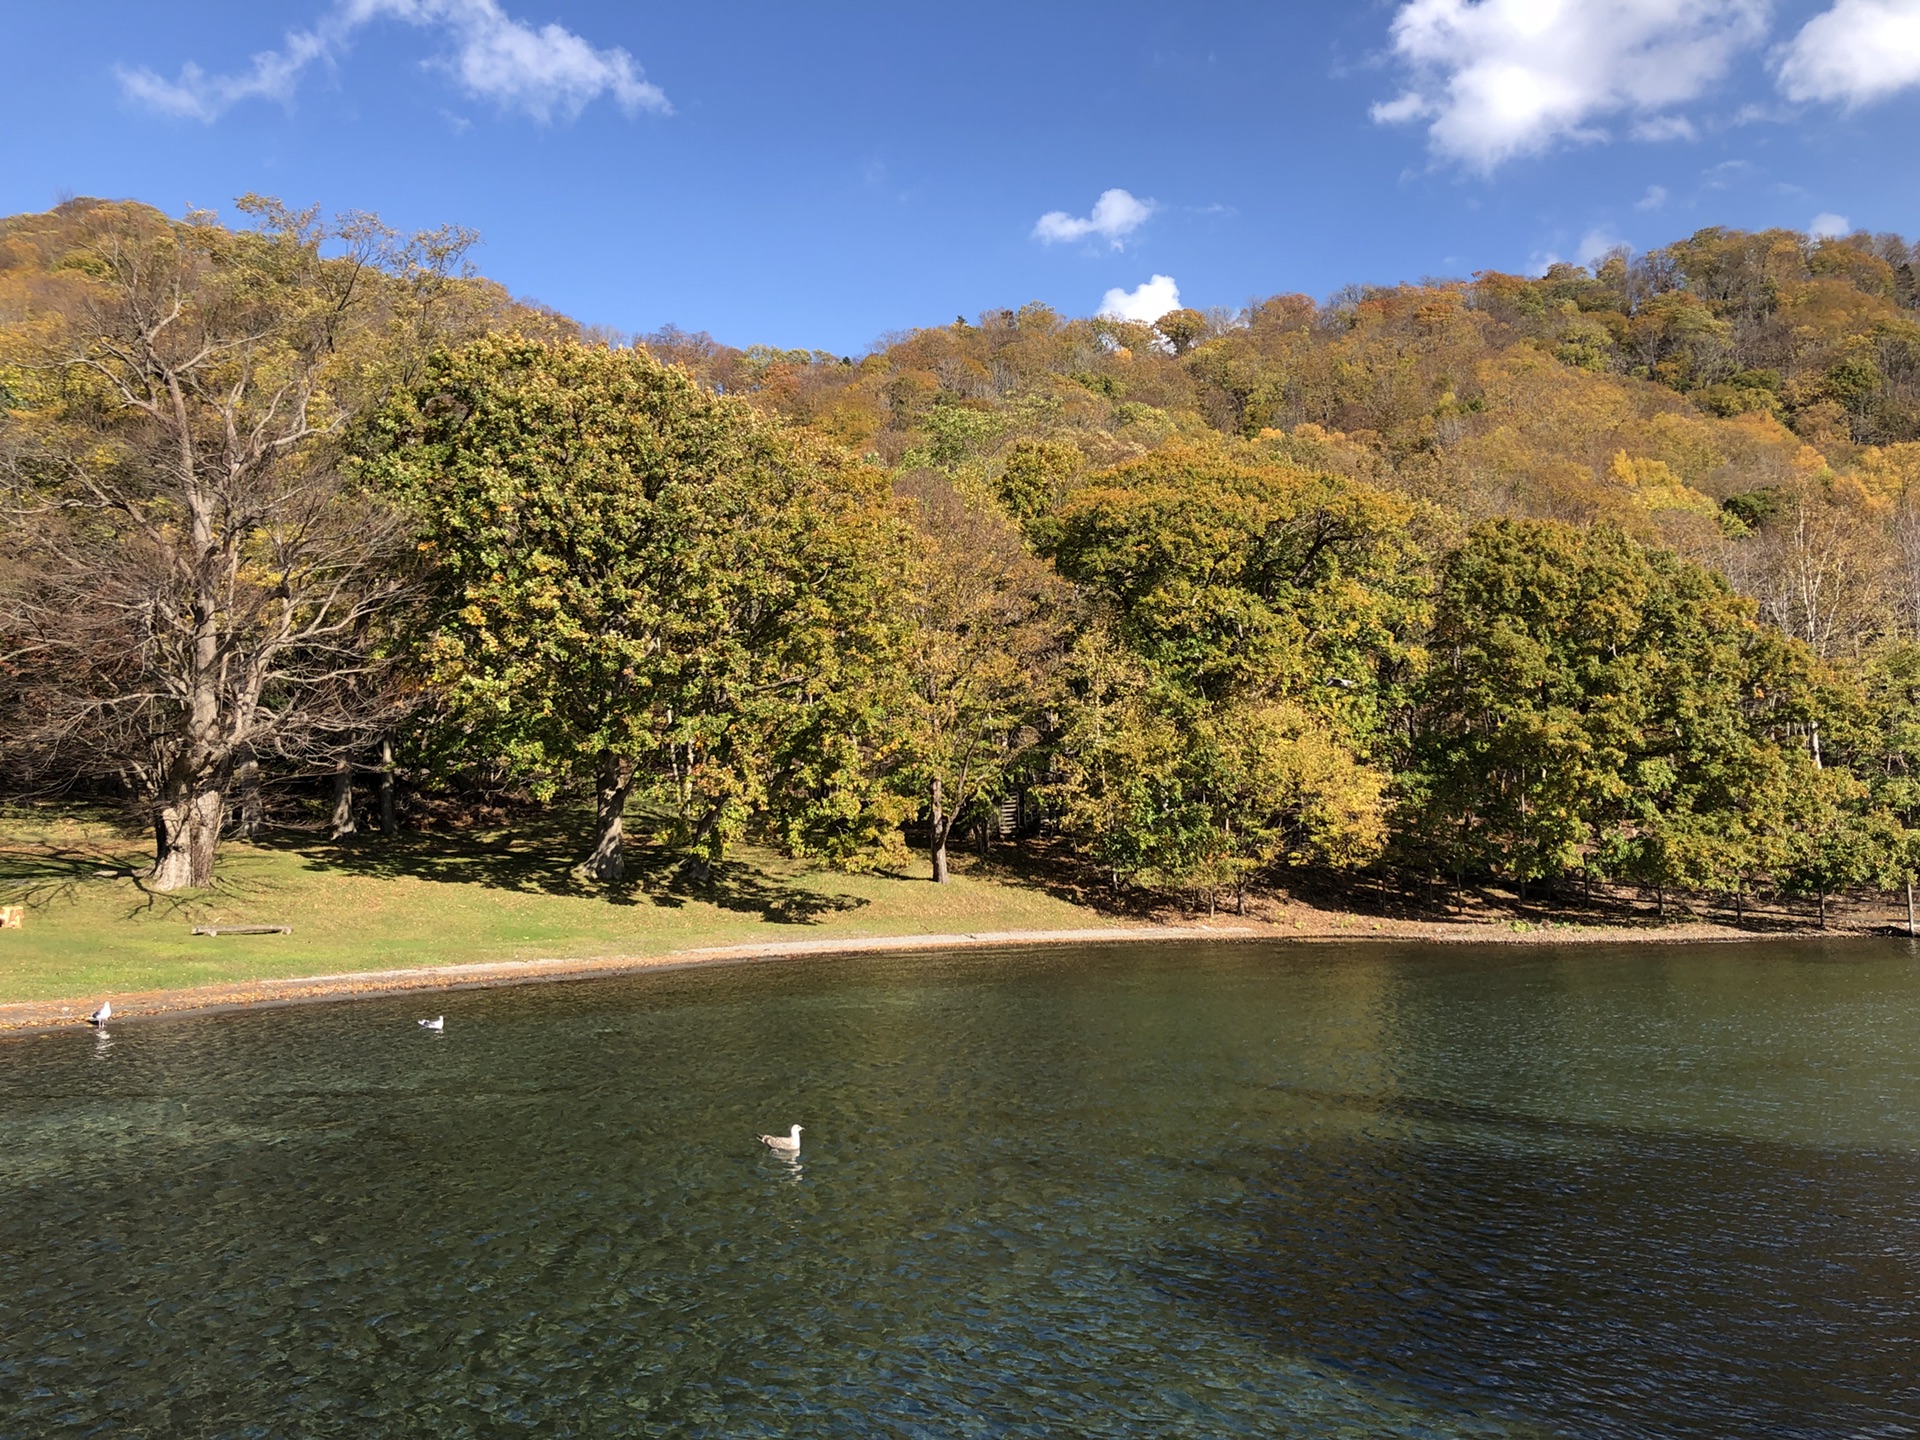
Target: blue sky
{"x": 821, "y": 174}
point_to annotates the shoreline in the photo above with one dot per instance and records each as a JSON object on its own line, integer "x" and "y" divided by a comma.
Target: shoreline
{"x": 21, "y": 1019}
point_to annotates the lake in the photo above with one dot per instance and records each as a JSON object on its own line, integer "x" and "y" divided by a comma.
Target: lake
{"x": 1181, "y": 1190}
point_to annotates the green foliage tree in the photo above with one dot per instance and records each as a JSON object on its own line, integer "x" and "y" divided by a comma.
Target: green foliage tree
{"x": 1835, "y": 840}
{"x": 1594, "y": 703}
{"x": 1035, "y": 476}
{"x": 1119, "y": 783}
{"x": 1164, "y": 786}
{"x": 1889, "y": 759}
{"x": 988, "y": 627}
{"x": 644, "y": 582}
{"x": 1246, "y": 577}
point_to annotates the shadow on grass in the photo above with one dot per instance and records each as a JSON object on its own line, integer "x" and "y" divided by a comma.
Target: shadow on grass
{"x": 1567, "y": 902}
{"x": 1050, "y": 866}
{"x": 537, "y": 857}
{"x": 45, "y": 876}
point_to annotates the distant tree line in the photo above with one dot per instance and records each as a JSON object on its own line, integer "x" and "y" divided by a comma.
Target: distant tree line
{"x": 1604, "y": 575}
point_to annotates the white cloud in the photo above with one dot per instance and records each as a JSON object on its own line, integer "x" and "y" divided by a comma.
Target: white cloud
{"x": 197, "y": 95}
{"x": 1827, "y": 225}
{"x": 1410, "y": 106}
{"x": 1726, "y": 174}
{"x": 1596, "y": 245}
{"x": 542, "y": 73}
{"x": 1664, "y": 127}
{"x": 1503, "y": 78}
{"x": 1146, "y": 302}
{"x": 1655, "y": 197}
{"x": 1116, "y": 215}
{"x": 1856, "y": 52}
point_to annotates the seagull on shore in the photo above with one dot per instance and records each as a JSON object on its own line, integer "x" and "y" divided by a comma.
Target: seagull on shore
{"x": 102, "y": 1015}
{"x": 783, "y": 1144}
{"x": 439, "y": 1022}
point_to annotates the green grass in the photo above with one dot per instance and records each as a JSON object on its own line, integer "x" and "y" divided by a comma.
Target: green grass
{"x": 432, "y": 899}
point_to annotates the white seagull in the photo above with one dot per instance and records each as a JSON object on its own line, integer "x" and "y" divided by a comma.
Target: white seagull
{"x": 439, "y": 1022}
{"x": 102, "y": 1015}
{"x": 784, "y": 1144}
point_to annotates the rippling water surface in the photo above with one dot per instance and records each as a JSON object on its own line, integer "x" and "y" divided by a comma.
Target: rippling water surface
{"x": 1204, "y": 1191}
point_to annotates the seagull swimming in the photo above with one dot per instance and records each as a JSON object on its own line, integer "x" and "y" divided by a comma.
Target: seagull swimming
{"x": 785, "y": 1144}
{"x": 439, "y": 1022}
{"x": 102, "y": 1015}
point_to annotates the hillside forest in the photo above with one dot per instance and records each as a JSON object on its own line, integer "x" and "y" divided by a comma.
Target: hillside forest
{"x": 1607, "y": 576}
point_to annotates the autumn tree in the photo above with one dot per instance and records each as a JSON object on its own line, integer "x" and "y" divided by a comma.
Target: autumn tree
{"x": 642, "y": 583}
{"x": 988, "y": 630}
{"x": 1260, "y": 628}
{"x": 1181, "y": 329}
{"x": 1164, "y": 786}
{"x": 194, "y": 586}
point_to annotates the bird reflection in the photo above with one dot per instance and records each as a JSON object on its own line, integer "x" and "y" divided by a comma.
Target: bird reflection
{"x": 102, "y": 1043}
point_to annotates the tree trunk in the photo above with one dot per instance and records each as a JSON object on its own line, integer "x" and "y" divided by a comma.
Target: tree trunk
{"x": 608, "y": 862}
{"x": 389, "y": 826}
{"x": 937, "y": 827}
{"x": 698, "y": 866}
{"x": 186, "y": 831}
{"x": 1823, "y": 909}
{"x": 251, "y": 819}
{"x": 344, "y": 826}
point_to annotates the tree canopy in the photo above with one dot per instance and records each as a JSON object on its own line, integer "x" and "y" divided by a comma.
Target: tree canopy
{"x": 641, "y": 580}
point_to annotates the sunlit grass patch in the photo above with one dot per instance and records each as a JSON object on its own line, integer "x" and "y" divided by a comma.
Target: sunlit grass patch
{"x": 428, "y": 899}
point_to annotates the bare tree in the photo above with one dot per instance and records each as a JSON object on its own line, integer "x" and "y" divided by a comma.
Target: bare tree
{"x": 194, "y": 586}
{"x": 1820, "y": 570}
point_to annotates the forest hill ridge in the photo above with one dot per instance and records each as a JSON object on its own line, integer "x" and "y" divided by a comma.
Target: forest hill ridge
{"x": 1619, "y": 571}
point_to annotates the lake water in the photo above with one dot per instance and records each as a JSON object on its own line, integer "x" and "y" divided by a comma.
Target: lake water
{"x": 1126, "y": 1191}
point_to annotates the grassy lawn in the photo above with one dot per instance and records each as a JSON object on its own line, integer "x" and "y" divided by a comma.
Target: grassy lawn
{"x": 431, "y": 899}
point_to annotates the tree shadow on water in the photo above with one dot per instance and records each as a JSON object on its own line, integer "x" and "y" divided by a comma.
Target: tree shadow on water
{"x": 1588, "y": 1279}
{"x": 539, "y": 856}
